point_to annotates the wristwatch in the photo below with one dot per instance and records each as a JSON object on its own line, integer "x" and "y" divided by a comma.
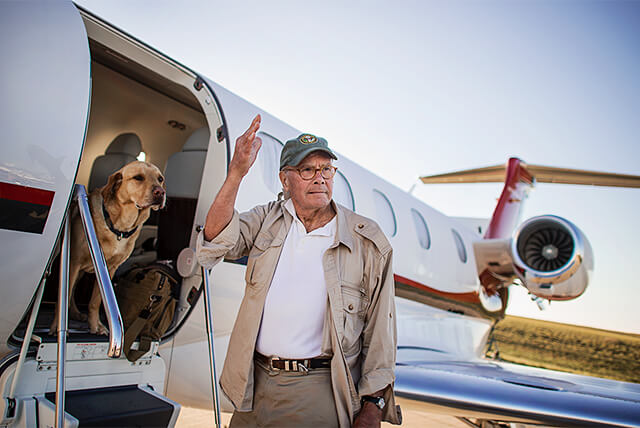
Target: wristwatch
{"x": 378, "y": 401}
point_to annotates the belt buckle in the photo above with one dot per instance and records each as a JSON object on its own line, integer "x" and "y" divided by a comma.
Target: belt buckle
{"x": 271, "y": 360}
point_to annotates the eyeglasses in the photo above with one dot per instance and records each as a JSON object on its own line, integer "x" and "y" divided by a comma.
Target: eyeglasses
{"x": 309, "y": 172}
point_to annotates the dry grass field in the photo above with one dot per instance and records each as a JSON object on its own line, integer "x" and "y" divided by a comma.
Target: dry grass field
{"x": 568, "y": 348}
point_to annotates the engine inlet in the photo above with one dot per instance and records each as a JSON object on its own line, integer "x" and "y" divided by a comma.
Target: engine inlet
{"x": 552, "y": 257}
{"x": 546, "y": 247}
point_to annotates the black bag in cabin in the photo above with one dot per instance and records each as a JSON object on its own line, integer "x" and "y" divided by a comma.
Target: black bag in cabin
{"x": 147, "y": 305}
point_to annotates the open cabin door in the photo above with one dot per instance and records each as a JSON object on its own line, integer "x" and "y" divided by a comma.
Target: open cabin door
{"x": 46, "y": 85}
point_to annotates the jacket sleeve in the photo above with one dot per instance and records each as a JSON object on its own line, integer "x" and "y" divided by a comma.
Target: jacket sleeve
{"x": 379, "y": 341}
{"x": 235, "y": 240}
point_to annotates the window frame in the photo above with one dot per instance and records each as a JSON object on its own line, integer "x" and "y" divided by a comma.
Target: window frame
{"x": 393, "y": 212}
{"x": 415, "y": 214}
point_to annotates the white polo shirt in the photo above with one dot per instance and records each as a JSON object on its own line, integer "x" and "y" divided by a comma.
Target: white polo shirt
{"x": 294, "y": 310}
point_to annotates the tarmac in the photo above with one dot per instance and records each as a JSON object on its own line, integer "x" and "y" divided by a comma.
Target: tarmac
{"x": 413, "y": 417}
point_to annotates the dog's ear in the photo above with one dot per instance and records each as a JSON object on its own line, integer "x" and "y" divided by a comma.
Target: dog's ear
{"x": 112, "y": 186}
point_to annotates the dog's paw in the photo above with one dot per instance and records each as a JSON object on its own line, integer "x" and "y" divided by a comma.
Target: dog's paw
{"x": 77, "y": 315}
{"x": 53, "y": 328}
{"x": 99, "y": 329}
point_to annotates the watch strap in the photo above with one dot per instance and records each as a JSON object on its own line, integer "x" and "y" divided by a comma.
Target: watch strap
{"x": 378, "y": 401}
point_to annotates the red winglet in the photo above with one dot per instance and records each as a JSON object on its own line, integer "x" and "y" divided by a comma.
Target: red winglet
{"x": 505, "y": 217}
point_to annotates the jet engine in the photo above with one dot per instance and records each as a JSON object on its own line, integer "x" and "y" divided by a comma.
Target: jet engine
{"x": 552, "y": 257}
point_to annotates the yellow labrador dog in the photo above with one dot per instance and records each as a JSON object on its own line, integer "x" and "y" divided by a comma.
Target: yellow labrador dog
{"x": 118, "y": 210}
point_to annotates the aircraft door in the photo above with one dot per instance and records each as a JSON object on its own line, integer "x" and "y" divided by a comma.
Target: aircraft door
{"x": 46, "y": 85}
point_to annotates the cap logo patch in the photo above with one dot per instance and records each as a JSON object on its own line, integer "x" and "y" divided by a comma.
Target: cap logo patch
{"x": 308, "y": 139}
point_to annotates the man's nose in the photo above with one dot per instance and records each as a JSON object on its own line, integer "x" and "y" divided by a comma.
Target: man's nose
{"x": 318, "y": 178}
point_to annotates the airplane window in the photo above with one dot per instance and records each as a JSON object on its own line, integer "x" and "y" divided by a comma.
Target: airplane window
{"x": 421, "y": 227}
{"x": 342, "y": 193}
{"x": 384, "y": 213}
{"x": 462, "y": 252}
{"x": 269, "y": 156}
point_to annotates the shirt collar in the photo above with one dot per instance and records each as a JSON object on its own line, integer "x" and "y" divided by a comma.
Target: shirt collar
{"x": 343, "y": 232}
{"x": 328, "y": 229}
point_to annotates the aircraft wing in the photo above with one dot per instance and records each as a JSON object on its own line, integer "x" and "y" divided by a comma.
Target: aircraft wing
{"x": 499, "y": 391}
{"x": 542, "y": 174}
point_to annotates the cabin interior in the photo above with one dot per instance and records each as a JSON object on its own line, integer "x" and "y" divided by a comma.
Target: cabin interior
{"x": 137, "y": 113}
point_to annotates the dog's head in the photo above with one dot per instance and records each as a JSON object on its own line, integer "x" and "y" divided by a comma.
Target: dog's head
{"x": 139, "y": 182}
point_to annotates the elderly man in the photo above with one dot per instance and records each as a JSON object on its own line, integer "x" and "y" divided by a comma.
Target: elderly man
{"x": 314, "y": 343}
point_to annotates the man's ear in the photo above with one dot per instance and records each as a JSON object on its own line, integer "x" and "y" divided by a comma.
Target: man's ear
{"x": 284, "y": 180}
{"x": 112, "y": 186}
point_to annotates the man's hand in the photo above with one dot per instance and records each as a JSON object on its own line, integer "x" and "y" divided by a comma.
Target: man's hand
{"x": 247, "y": 147}
{"x": 370, "y": 416}
{"x": 221, "y": 210}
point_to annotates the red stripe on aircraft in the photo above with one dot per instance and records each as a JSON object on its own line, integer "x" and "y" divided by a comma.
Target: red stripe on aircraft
{"x": 460, "y": 297}
{"x": 32, "y": 195}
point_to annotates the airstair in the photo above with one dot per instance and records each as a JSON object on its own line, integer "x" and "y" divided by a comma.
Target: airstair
{"x": 94, "y": 385}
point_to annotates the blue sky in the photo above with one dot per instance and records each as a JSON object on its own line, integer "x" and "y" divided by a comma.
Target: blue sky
{"x": 414, "y": 88}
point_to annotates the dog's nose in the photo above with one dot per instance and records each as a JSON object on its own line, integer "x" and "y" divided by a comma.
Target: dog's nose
{"x": 158, "y": 192}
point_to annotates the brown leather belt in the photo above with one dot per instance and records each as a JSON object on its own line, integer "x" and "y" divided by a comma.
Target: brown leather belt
{"x": 276, "y": 363}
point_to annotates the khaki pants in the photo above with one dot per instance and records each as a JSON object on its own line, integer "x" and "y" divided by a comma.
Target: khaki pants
{"x": 289, "y": 399}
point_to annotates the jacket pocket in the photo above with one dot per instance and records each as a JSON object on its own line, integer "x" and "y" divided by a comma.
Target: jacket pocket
{"x": 259, "y": 264}
{"x": 354, "y": 302}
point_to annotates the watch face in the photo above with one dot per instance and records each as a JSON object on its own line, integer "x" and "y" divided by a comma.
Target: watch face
{"x": 378, "y": 401}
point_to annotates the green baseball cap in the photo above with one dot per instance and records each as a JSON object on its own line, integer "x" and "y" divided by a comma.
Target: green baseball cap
{"x": 298, "y": 148}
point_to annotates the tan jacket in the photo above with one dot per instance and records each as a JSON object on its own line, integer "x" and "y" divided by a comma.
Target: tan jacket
{"x": 360, "y": 325}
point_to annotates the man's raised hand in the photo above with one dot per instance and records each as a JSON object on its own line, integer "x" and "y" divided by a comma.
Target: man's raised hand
{"x": 246, "y": 151}
{"x": 221, "y": 210}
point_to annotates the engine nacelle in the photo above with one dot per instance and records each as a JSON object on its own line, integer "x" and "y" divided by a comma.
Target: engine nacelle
{"x": 552, "y": 257}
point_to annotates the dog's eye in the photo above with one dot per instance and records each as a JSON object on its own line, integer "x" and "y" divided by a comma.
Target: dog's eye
{"x": 160, "y": 179}
{"x": 139, "y": 177}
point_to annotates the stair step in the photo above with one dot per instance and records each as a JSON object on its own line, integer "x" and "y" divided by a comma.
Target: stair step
{"x": 118, "y": 406}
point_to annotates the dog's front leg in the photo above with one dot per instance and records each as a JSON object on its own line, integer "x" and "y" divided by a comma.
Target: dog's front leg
{"x": 95, "y": 326}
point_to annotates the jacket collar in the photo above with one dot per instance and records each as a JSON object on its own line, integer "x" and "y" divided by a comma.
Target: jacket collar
{"x": 343, "y": 232}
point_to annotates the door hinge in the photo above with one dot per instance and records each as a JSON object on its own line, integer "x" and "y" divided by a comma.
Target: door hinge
{"x": 198, "y": 84}
{"x": 220, "y": 134}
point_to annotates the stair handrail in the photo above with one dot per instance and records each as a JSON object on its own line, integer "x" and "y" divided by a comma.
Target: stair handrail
{"x": 24, "y": 349}
{"x": 63, "y": 312}
{"x": 208, "y": 314}
{"x": 212, "y": 353}
{"x": 116, "y": 329}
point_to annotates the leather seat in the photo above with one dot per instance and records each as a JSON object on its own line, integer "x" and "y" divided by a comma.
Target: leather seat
{"x": 123, "y": 149}
{"x": 183, "y": 175}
